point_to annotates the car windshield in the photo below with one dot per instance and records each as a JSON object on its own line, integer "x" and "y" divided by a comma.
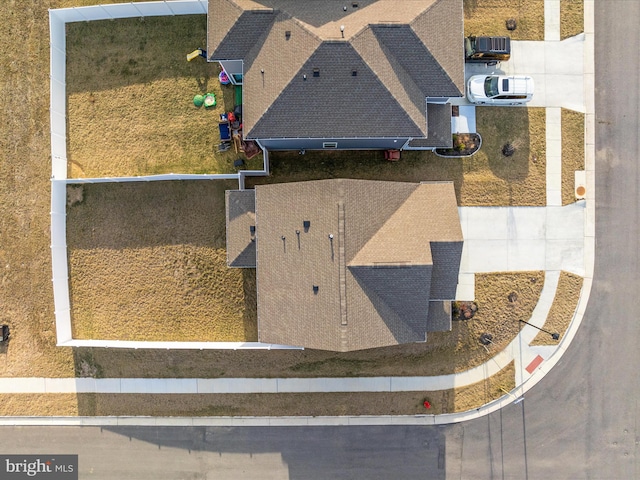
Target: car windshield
{"x": 491, "y": 86}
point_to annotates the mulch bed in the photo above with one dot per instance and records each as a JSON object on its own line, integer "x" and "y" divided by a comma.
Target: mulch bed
{"x": 464, "y": 145}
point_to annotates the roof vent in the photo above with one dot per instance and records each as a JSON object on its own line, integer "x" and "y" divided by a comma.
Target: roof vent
{"x": 315, "y": 289}
{"x": 287, "y": 34}
{"x": 354, "y": 5}
{"x": 316, "y": 72}
{"x": 252, "y": 229}
{"x": 306, "y": 224}
{"x": 354, "y": 73}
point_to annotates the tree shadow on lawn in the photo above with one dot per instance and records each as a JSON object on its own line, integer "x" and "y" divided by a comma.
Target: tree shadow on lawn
{"x": 506, "y": 126}
{"x": 107, "y": 54}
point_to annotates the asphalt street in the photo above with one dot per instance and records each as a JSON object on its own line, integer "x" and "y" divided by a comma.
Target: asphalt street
{"x": 579, "y": 422}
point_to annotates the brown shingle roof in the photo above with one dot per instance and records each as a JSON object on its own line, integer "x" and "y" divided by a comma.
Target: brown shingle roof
{"x": 241, "y": 217}
{"x": 439, "y": 316}
{"x": 319, "y": 107}
{"x": 402, "y": 55}
{"x": 441, "y": 29}
{"x": 361, "y": 274}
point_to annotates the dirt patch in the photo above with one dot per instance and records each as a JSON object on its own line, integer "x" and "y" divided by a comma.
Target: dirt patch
{"x": 562, "y": 309}
{"x": 464, "y": 145}
{"x": 572, "y": 124}
{"x": 489, "y": 17}
{"x": 75, "y": 194}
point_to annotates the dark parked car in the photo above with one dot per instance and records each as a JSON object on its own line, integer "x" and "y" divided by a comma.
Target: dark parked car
{"x": 487, "y": 49}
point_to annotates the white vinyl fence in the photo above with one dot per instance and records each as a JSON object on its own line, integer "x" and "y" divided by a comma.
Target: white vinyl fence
{"x": 58, "y": 18}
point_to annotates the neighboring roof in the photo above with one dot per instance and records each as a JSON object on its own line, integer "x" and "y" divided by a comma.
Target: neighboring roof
{"x": 377, "y": 252}
{"x": 241, "y": 221}
{"x": 401, "y": 56}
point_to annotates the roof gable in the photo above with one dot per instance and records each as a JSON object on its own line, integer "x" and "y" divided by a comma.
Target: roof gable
{"x": 414, "y": 60}
{"x": 241, "y": 220}
{"x": 325, "y": 17}
{"x": 441, "y": 29}
{"x": 336, "y": 91}
{"x": 336, "y": 283}
{"x": 272, "y": 65}
{"x": 399, "y": 295}
{"x": 400, "y": 66}
{"x": 247, "y": 31}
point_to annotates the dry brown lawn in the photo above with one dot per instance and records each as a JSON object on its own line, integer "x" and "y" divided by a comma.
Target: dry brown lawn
{"x": 26, "y": 298}
{"x": 148, "y": 262}
{"x": 571, "y": 18}
{"x": 488, "y": 17}
{"x": 562, "y": 310}
{"x": 443, "y": 353}
{"x": 266, "y": 404}
{"x": 481, "y": 393}
{"x": 26, "y": 295}
{"x": 486, "y": 178}
{"x": 490, "y": 178}
{"x": 130, "y": 100}
{"x": 572, "y": 124}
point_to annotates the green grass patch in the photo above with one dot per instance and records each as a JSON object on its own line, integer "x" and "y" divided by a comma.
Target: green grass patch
{"x": 572, "y": 152}
{"x": 488, "y": 17}
{"x": 130, "y": 96}
{"x": 571, "y": 18}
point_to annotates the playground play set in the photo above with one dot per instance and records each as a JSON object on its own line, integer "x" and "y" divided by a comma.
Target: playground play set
{"x": 230, "y": 124}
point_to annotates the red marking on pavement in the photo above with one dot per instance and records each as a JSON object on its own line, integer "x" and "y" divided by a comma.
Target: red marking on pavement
{"x": 533, "y": 365}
